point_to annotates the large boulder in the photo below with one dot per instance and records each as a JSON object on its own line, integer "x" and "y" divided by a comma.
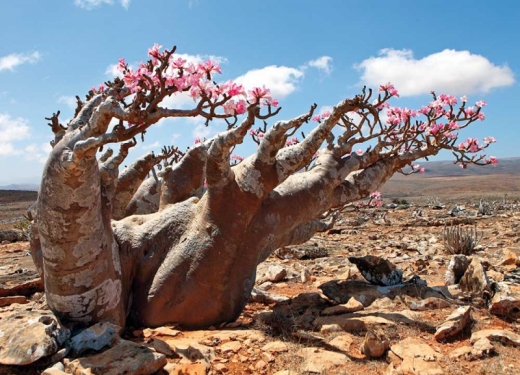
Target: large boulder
{"x": 506, "y": 301}
{"x": 27, "y": 336}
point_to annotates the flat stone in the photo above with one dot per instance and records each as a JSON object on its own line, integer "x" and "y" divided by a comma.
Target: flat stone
{"x": 231, "y": 346}
{"x": 454, "y": 323}
{"x": 342, "y": 291}
{"x": 161, "y": 346}
{"x": 317, "y": 360}
{"x": 418, "y": 357}
{"x": 125, "y": 357}
{"x": 6, "y": 301}
{"x": 352, "y": 305}
{"x": 160, "y": 331}
{"x": 27, "y": 336}
{"x": 330, "y": 328}
{"x": 190, "y": 369}
{"x": 378, "y": 271}
{"x": 431, "y": 303}
{"x": 275, "y": 347}
{"x": 342, "y": 342}
{"x": 506, "y": 301}
{"x": 95, "y": 338}
{"x": 502, "y": 335}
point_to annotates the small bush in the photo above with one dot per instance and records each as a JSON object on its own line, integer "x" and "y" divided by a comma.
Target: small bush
{"x": 461, "y": 241}
{"x": 22, "y": 225}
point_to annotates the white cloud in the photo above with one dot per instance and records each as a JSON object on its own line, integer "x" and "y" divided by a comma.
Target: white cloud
{"x": 69, "y": 101}
{"x": 40, "y": 153}
{"x": 12, "y": 129}
{"x": 452, "y": 72}
{"x": 281, "y": 80}
{"x": 91, "y": 4}
{"x": 323, "y": 63}
{"x": 9, "y": 62}
{"x": 156, "y": 144}
{"x": 175, "y": 137}
{"x": 112, "y": 71}
{"x": 202, "y": 131}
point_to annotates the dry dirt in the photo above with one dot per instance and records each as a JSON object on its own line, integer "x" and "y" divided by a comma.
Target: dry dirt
{"x": 379, "y": 232}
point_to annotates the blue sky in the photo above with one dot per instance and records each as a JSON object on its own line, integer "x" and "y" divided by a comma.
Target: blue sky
{"x": 305, "y": 51}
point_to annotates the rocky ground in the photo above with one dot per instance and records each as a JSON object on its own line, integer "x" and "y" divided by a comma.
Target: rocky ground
{"x": 313, "y": 310}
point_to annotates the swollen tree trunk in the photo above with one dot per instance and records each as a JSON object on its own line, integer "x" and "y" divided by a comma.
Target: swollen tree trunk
{"x": 183, "y": 247}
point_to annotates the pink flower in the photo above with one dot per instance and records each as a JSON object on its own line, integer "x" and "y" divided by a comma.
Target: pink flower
{"x": 241, "y": 107}
{"x": 359, "y": 151}
{"x": 101, "y": 87}
{"x": 229, "y": 107}
{"x": 325, "y": 115}
{"x": 209, "y": 67}
{"x": 178, "y": 63}
{"x": 480, "y": 103}
{"x": 386, "y": 87}
{"x": 121, "y": 65}
{"x": 488, "y": 140}
{"x": 493, "y": 160}
{"x": 236, "y": 158}
{"x": 422, "y": 170}
{"x": 274, "y": 102}
{"x": 258, "y": 93}
{"x": 394, "y": 92}
{"x": 154, "y": 51}
{"x": 291, "y": 141}
{"x": 316, "y": 118}
{"x": 197, "y": 140}
{"x": 464, "y": 99}
{"x": 470, "y": 111}
{"x": 481, "y": 116}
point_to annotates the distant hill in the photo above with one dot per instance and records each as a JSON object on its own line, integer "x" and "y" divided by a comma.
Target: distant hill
{"x": 445, "y": 179}
{"x": 23, "y": 187}
{"x": 448, "y": 169}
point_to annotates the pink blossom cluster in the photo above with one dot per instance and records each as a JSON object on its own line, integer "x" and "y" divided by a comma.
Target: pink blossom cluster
{"x": 236, "y": 158}
{"x": 256, "y": 133}
{"x": 417, "y": 168}
{"x": 390, "y": 88}
{"x": 320, "y": 117}
{"x": 374, "y": 200}
{"x": 194, "y": 78}
{"x": 292, "y": 141}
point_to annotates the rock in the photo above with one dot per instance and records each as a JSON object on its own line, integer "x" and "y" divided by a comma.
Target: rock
{"x": 317, "y": 360}
{"x": 454, "y": 323}
{"x": 286, "y": 372}
{"x": 510, "y": 258}
{"x": 261, "y": 364}
{"x": 342, "y": 342}
{"x": 161, "y": 346}
{"x": 374, "y": 346}
{"x": 195, "y": 352}
{"x": 160, "y": 331}
{"x": 430, "y": 303}
{"x": 352, "y": 305}
{"x": 275, "y": 347}
{"x": 513, "y": 276}
{"x": 231, "y": 346}
{"x": 475, "y": 279}
{"x": 456, "y": 268}
{"x": 95, "y": 338}
{"x": 418, "y": 357}
{"x": 189, "y": 369}
{"x": 305, "y": 275}
{"x": 260, "y": 296}
{"x": 343, "y": 291}
{"x": 502, "y": 335}
{"x": 275, "y": 273}
{"x": 12, "y": 235}
{"x": 378, "y": 271}
{"x": 56, "y": 369}
{"x": 304, "y": 251}
{"x": 495, "y": 276}
{"x": 6, "y": 301}
{"x": 26, "y": 288}
{"x": 125, "y": 357}
{"x": 27, "y": 336}
{"x": 462, "y": 352}
{"x": 506, "y": 301}
{"x": 482, "y": 347}
{"x": 330, "y": 328}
